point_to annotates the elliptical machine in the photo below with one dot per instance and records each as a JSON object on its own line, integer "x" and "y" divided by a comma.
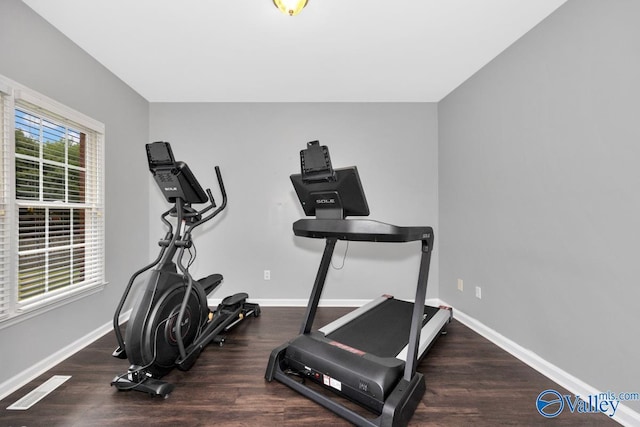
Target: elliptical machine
{"x": 171, "y": 321}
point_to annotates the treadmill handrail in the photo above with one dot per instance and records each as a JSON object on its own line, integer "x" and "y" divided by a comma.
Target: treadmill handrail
{"x": 365, "y": 230}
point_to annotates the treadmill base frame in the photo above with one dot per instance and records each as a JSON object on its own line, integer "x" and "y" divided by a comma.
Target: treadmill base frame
{"x": 397, "y": 410}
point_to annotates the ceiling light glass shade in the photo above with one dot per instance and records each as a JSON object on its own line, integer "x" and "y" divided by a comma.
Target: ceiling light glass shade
{"x": 290, "y": 7}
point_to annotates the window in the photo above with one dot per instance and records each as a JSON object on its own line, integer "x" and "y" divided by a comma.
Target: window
{"x": 51, "y": 202}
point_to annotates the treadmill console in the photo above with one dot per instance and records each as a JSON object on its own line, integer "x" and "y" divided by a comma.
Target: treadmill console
{"x": 326, "y": 192}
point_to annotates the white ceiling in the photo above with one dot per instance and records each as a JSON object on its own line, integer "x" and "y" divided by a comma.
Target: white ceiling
{"x": 335, "y": 50}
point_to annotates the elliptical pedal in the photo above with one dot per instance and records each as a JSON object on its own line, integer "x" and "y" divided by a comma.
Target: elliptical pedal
{"x": 210, "y": 283}
{"x": 233, "y": 300}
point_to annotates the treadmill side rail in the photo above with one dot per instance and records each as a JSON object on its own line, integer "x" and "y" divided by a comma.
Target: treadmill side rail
{"x": 338, "y": 323}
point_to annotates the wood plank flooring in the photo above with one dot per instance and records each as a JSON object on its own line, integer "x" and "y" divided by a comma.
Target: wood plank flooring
{"x": 469, "y": 382}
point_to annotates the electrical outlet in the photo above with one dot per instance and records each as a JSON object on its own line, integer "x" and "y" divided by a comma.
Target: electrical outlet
{"x": 460, "y": 285}
{"x": 267, "y": 275}
{"x": 478, "y": 292}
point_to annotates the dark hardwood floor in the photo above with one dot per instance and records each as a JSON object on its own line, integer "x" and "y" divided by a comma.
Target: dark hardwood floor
{"x": 469, "y": 382}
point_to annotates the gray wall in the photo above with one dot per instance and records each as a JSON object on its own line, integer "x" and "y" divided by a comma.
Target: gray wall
{"x": 539, "y": 192}
{"x": 36, "y": 55}
{"x": 257, "y": 146}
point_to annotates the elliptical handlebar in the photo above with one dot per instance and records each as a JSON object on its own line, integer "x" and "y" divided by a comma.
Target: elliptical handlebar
{"x": 212, "y": 202}
{"x": 184, "y": 243}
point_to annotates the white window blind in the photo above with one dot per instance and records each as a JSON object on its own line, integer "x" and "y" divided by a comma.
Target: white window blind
{"x": 5, "y": 233}
{"x": 51, "y": 203}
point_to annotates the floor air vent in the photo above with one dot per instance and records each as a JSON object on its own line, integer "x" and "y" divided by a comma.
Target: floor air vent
{"x": 39, "y": 393}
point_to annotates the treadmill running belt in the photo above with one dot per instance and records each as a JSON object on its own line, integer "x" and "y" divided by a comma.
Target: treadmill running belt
{"x": 383, "y": 330}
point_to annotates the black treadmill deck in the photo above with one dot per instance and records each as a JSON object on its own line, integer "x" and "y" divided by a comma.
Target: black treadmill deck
{"x": 383, "y": 330}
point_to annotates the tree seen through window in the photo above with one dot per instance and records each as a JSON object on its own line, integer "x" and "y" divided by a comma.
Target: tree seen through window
{"x": 50, "y": 168}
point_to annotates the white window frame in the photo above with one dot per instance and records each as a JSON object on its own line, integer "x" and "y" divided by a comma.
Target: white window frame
{"x": 14, "y": 95}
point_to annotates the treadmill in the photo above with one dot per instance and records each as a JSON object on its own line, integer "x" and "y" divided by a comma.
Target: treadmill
{"x": 370, "y": 355}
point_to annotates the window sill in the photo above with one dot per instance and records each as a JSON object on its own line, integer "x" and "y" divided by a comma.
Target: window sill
{"x": 37, "y": 308}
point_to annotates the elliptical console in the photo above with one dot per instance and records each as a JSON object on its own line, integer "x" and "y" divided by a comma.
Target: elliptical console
{"x": 171, "y": 321}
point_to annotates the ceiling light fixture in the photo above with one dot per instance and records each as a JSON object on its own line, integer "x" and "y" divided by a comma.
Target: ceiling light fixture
{"x": 290, "y": 7}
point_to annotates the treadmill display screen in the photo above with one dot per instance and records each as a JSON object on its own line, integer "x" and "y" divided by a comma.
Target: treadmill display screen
{"x": 344, "y": 193}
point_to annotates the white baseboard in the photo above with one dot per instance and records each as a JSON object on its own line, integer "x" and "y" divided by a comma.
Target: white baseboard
{"x": 624, "y": 415}
{"x": 28, "y": 375}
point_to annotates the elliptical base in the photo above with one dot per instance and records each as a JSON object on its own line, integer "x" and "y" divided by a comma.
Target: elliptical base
{"x": 141, "y": 381}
